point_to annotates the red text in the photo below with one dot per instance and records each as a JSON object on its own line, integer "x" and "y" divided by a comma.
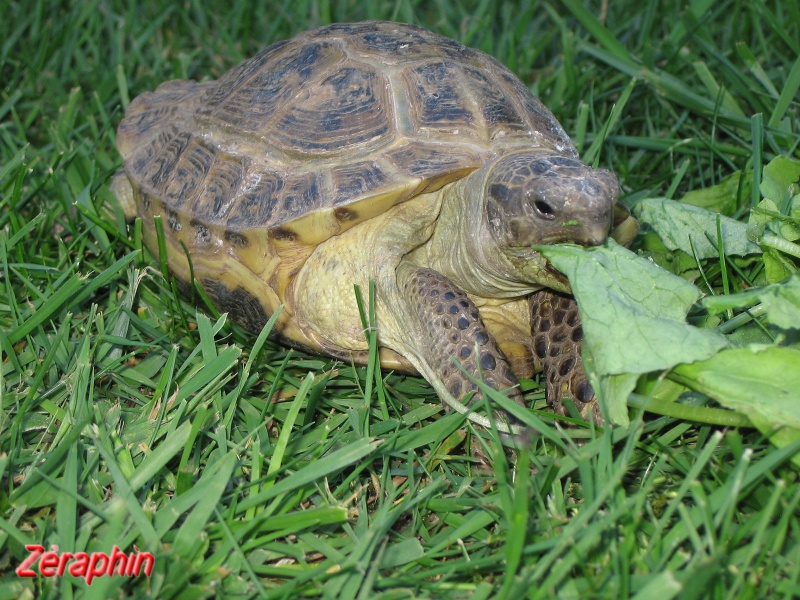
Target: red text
{"x": 86, "y": 565}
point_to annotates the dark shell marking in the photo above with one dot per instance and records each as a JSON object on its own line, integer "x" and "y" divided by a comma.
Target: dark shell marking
{"x": 438, "y": 104}
{"x": 557, "y": 334}
{"x": 242, "y": 307}
{"x": 350, "y": 112}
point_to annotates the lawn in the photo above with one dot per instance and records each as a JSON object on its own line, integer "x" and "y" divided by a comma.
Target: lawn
{"x": 131, "y": 416}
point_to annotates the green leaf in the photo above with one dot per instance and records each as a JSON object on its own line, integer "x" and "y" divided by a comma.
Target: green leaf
{"x": 692, "y": 229}
{"x": 633, "y": 318}
{"x": 75, "y": 290}
{"x": 780, "y": 179}
{"x": 778, "y": 212}
{"x": 724, "y": 197}
{"x": 634, "y": 312}
{"x": 761, "y": 380}
{"x": 777, "y": 434}
{"x": 766, "y": 215}
{"x": 614, "y": 390}
{"x": 776, "y": 266}
{"x": 304, "y": 519}
{"x": 156, "y": 460}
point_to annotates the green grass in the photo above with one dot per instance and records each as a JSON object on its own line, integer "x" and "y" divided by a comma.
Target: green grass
{"x": 132, "y": 417}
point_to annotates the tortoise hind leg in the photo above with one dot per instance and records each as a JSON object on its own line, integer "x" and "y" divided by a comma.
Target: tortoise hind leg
{"x": 445, "y": 325}
{"x": 557, "y": 336}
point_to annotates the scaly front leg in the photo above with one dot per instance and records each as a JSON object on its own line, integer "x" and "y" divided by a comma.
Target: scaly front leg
{"x": 557, "y": 337}
{"x": 448, "y": 335}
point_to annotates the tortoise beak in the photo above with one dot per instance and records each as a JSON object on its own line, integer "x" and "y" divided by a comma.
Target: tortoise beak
{"x": 593, "y": 235}
{"x": 587, "y": 235}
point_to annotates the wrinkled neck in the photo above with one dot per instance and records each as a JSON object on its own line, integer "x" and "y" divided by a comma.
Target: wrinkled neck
{"x": 463, "y": 249}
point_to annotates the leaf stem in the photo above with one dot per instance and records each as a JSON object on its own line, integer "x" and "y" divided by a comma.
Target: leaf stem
{"x": 773, "y": 241}
{"x": 742, "y": 318}
{"x": 700, "y": 414}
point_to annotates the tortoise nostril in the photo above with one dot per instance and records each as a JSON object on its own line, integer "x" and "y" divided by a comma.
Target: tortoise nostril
{"x": 544, "y": 209}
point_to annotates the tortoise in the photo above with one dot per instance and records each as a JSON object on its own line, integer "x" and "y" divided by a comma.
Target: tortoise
{"x": 381, "y": 152}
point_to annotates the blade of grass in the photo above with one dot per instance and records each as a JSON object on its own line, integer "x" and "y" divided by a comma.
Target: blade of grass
{"x": 74, "y": 291}
{"x": 327, "y": 465}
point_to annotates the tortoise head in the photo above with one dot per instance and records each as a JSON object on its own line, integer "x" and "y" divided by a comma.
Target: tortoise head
{"x": 534, "y": 198}
{"x": 537, "y": 197}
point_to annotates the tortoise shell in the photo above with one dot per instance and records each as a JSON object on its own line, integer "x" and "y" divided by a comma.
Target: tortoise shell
{"x": 315, "y": 134}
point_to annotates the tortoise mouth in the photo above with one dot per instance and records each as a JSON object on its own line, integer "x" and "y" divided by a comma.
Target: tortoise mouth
{"x": 569, "y": 232}
{"x": 574, "y": 233}
{"x": 565, "y": 237}
{"x": 535, "y": 268}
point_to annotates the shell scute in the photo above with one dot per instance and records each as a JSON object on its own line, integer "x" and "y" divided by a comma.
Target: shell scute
{"x": 202, "y": 236}
{"x": 406, "y": 45}
{"x": 157, "y": 171}
{"x": 499, "y": 111}
{"x": 435, "y": 164}
{"x": 189, "y": 172}
{"x": 301, "y": 196}
{"x": 348, "y": 109}
{"x": 153, "y": 118}
{"x": 231, "y": 81}
{"x": 261, "y": 93}
{"x": 259, "y": 203}
{"x": 545, "y": 127}
{"x": 219, "y": 190}
{"x": 139, "y": 124}
{"x": 403, "y": 44}
{"x": 358, "y": 180}
{"x": 440, "y": 105}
